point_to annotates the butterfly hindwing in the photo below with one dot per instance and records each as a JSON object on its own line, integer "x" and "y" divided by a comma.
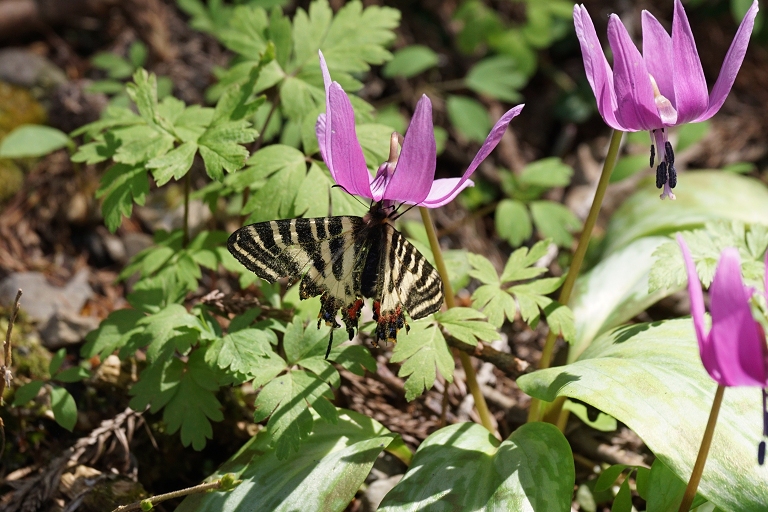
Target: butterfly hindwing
{"x": 407, "y": 282}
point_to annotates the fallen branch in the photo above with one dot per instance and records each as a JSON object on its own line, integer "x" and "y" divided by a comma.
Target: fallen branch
{"x": 224, "y": 483}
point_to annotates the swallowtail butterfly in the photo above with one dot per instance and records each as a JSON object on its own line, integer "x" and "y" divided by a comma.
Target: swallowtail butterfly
{"x": 343, "y": 259}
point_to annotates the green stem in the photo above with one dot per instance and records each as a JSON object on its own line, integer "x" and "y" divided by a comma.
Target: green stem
{"x": 578, "y": 257}
{"x": 185, "y": 228}
{"x": 701, "y": 459}
{"x": 482, "y": 407}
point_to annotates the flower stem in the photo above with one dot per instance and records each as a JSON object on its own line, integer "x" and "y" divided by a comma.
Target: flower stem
{"x": 185, "y": 234}
{"x": 482, "y": 408}
{"x": 701, "y": 459}
{"x": 534, "y": 413}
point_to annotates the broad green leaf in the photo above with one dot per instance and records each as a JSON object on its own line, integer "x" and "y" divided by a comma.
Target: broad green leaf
{"x": 599, "y": 306}
{"x": 603, "y": 422}
{"x": 513, "y": 223}
{"x": 286, "y": 401}
{"x": 57, "y": 360}
{"x": 555, "y": 221}
{"x": 171, "y": 329}
{"x": 32, "y": 140}
{"x": 410, "y": 61}
{"x": 73, "y": 374}
{"x": 421, "y": 351}
{"x": 467, "y": 325}
{"x": 64, "y": 408}
{"x": 629, "y": 166}
{"x": 665, "y": 490}
{"x": 313, "y": 197}
{"x": 27, "y": 392}
{"x": 497, "y": 77}
{"x": 650, "y": 377}
{"x": 623, "y": 500}
{"x": 244, "y": 350}
{"x": 300, "y": 341}
{"x": 608, "y": 477}
{"x": 374, "y": 139}
{"x": 702, "y": 196}
{"x": 220, "y": 147}
{"x": 174, "y": 164}
{"x": 547, "y": 173}
{"x": 469, "y": 117}
{"x": 463, "y": 467}
{"x": 112, "y": 333}
{"x": 285, "y": 168}
{"x": 325, "y": 474}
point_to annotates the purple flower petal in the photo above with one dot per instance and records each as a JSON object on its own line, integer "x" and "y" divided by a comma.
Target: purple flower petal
{"x": 320, "y": 132}
{"x": 415, "y": 170}
{"x": 443, "y": 191}
{"x": 596, "y": 66}
{"x": 434, "y": 200}
{"x": 342, "y": 152}
{"x": 736, "y": 341}
{"x": 657, "y": 54}
{"x": 634, "y": 92}
{"x": 731, "y": 64}
{"x": 691, "y": 96}
{"x": 697, "y": 302}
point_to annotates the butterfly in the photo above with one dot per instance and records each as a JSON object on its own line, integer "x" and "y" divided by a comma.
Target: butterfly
{"x": 343, "y": 260}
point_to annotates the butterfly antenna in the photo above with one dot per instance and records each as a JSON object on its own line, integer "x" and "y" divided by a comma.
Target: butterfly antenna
{"x": 403, "y": 213}
{"x": 348, "y": 192}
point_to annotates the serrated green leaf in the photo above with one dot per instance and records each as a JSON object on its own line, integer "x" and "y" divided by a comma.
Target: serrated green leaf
{"x": 482, "y": 269}
{"x": 236, "y": 103}
{"x": 314, "y": 194}
{"x": 467, "y": 325}
{"x": 547, "y": 172}
{"x": 63, "y": 407}
{"x": 27, "y": 392}
{"x": 513, "y": 223}
{"x": 469, "y": 117}
{"x": 174, "y": 164}
{"x": 143, "y": 92}
{"x": 518, "y": 266}
{"x": 112, "y": 333}
{"x": 286, "y": 401}
{"x": 139, "y": 143}
{"x": 353, "y": 358}
{"x": 169, "y": 330}
{"x": 112, "y": 116}
{"x": 244, "y": 350}
{"x": 221, "y": 150}
{"x": 555, "y": 221}
{"x": 286, "y": 168}
{"x": 495, "y": 303}
{"x": 101, "y": 149}
{"x": 299, "y": 97}
{"x": 498, "y": 77}
{"x": 410, "y": 61}
{"x": 374, "y": 140}
{"x": 31, "y": 140}
{"x": 246, "y": 31}
{"x": 560, "y": 320}
{"x": 301, "y": 342}
{"x": 422, "y": 350}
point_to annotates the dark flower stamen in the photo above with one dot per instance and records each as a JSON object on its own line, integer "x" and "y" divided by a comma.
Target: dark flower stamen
{"x": 669, "y": 155}
{"x": 653, "y": 154}
{"x": 661, "y": 175}
{"x": 761, "y": 447}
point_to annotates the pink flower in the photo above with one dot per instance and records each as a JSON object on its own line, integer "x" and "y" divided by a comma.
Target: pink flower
{"x": 734, "y": 352}
{"x": 664, "y": 86}
{"x": 408, "y": 177}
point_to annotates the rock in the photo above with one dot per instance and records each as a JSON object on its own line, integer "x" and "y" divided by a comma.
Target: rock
{"x": 374, "y": 494}
{"x": 27, "y": 69}
{"x": 65, "y": 328}
{"x": 41, "y": 300}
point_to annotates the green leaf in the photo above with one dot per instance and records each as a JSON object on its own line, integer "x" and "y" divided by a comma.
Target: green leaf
{"x": 628, "y": 166}
{"x": 623, "y": 500}
{"x": 463, "y": 467}
{"x": 329, "y": 469}
{"x": 513, "y": 222}
{"x": 57, "y": 360}
{"x": 221, "y": 150}
{"x": 609, "y": 475}
{"x": 665, "y": 490}
{"x": 660, "y": 363}
{"x": 112, "y": 333}
{"x": 495, "y": 303}
{"x": 27, "y": 392}
{"x": 174, "y": 164}
{"x": 115, "y": 66}
{"x": 137, "y": 54}
{"x": 410, "y": 61}
{"x": 286, "y": 401}
{"x": 64, "y": 408}
{"x": 598, "y": 308}
{"x": 555, "y": 221}
{"x": 245, "y": 351}
{"x": 284, "y": 168}
{"x": 32, "y": 140}
{"x": 689, "y": 134}
{"x": 245, "y": 33}
{"x": 498, "y": 77}
{"x": 171, "y": 329}
{"x": 702, "y": 196}
{"x": 300, "y": 342}
{"x": 421, "y": 351}
{"x": 518, "y": 267}
{"x": 73, "y": 374}
{"x": 467, "y": 325}
{"x": 143, "y": 92}
{"x": 603, "y": 422}
{"x": 547, "y": 173}
{"x": 469, "y": 117}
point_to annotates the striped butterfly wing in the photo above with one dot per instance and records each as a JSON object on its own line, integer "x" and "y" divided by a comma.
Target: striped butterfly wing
{"x": 327, "y": 253}
{"x": 406, "y": 282}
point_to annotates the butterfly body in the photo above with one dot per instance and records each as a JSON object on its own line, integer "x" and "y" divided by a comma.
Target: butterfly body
{"x": 344, "y": 260}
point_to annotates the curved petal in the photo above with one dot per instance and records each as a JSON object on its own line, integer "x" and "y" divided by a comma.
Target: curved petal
{"x": 731, "y": 64}
{"x": 415, "y": 170}
{"x": 434, "y": 200}
{"x": 596, "y": 66}
{"x": 736, "y": 340}
{"x": 634, "y": 92}
{"x": 320, "y": 133}
{"x": 696, "y": 296}
{"x": 339, "y": 145}
{"x": 691, "y": 96}
{"x": 443, "y": 191}
{"x": 657, "y": 54}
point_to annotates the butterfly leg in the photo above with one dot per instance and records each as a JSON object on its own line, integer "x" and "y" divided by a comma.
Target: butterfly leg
{"x": 350, "y": 316}
{"x": 389, "y": 323}
{"x": 329, "y": 306}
